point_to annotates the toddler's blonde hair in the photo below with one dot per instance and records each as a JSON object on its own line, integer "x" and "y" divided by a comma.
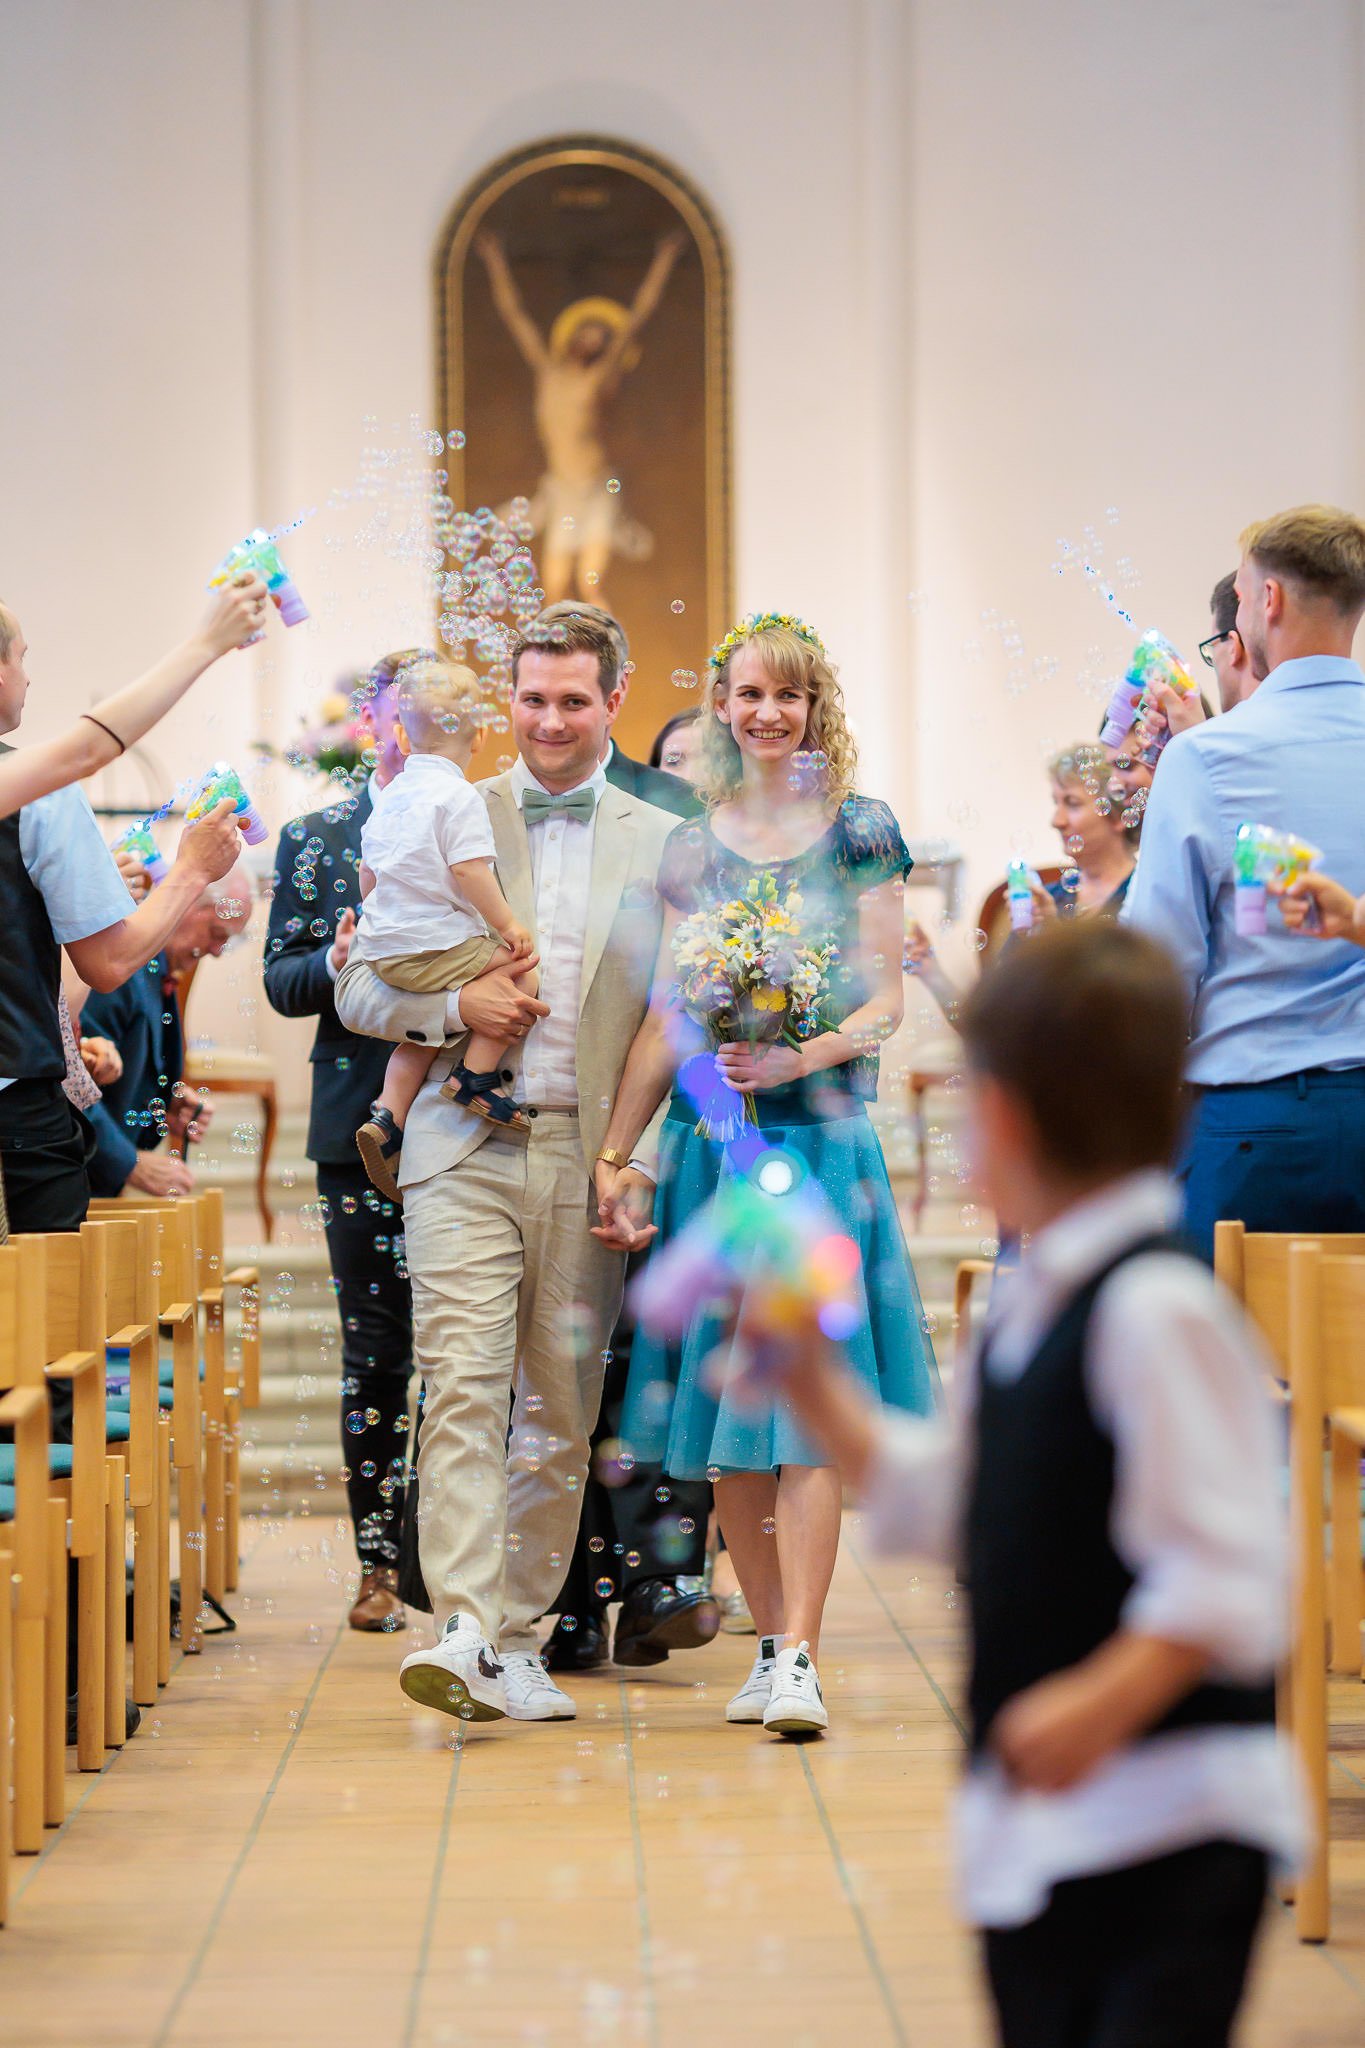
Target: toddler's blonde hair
{"x": 440, "y": 706}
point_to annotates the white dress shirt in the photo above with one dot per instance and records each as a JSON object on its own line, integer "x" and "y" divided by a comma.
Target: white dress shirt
{"x": 422, "y": 823}
{"x": 561, "y": 867}
{"x": 1178, "y": 1381}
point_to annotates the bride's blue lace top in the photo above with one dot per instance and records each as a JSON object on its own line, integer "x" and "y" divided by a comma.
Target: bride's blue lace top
{"x": 862, "y": 848}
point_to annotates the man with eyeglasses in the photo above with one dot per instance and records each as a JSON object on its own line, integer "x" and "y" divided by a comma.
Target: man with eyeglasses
{"x": 1276, "y": 1057}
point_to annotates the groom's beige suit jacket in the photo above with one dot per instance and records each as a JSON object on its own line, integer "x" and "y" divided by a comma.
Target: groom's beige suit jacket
{"x": 621, "y": 945}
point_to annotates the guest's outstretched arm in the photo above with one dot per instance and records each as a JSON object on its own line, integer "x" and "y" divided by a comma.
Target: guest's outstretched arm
{"x": 116, "y": 722}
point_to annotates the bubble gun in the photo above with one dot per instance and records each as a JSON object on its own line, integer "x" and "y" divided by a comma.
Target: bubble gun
{"x": 767, "y": 1248}
{"x": 222, "y": 781}
{"x": 1019, "y": 895}
{"x": 138, "y": 841}
{"x": 1263, "y": 856}
{"x": 259, "y": 555}
{"x": 1154, "y": 661}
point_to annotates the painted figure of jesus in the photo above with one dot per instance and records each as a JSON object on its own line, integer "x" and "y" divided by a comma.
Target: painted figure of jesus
{"x": 578, "y": 369}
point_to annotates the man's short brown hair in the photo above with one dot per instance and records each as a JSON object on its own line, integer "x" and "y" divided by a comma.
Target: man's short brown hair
{"x": 571, "y": 628}
{"x": 1318, "y": 547}
{"x": 1085, "y": 1023}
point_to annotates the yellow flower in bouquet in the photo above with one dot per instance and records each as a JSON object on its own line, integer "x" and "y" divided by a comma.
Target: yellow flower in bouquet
{"x": 747, "y": 973}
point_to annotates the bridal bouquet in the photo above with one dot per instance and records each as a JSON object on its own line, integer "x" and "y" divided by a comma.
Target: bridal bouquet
{"x": 746, "y": 973}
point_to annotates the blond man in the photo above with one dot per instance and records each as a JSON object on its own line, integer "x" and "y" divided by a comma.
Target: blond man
{"x": 1277, "y": 1040}
{"x": 516, "y": 1285}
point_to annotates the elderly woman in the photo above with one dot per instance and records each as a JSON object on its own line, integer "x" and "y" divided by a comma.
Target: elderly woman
{"x": 1095, "y": 833}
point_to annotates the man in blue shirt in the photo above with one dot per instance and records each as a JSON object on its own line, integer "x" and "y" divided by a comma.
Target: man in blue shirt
{"x": 1277, "y": 1039}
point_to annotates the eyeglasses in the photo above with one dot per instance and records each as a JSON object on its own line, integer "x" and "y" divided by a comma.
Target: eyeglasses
{"x": 1212, "y": 641}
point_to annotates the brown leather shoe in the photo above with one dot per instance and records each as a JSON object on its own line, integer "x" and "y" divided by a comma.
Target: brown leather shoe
{"x": 377, "y": 1605}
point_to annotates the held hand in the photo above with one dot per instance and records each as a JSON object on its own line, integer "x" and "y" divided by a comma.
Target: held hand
{"x": 102, "y": 1060}
{"x": 235, "y": 616}
{"x": 1055, "y": 1733}
{"x": 138, "y": 881}
{"x": 341, "y": 945}
{"x": 625, "y": 1203}
{"x": 749, "y": 1069}
{"x": 1339, "y": 916}
{"x": 919, "y": 949}
{"x": 157, "y": 1174}
{"x": 1178, "y": 713}
{"x": 1044, "y": 906}
{"x": 190, "y": 1115}
{"x": 210, "y": 845}
{"x": 495, "y": 1006}
{"x": 519, "y": 939}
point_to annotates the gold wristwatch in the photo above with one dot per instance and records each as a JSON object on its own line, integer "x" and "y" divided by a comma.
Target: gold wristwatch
{"x": 611, "y": 1157}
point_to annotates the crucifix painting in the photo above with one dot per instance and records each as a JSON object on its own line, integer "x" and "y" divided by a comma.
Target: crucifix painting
{"x": 582, "y": 332}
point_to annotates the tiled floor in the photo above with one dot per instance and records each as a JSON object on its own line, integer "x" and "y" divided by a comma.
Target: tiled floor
{"x": 291, "y": 1854}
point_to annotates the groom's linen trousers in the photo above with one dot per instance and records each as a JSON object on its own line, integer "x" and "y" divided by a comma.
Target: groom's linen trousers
{"x": 513, "y": 1300}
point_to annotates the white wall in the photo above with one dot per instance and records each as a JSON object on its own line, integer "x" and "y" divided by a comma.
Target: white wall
{"x": 998, "y": 267}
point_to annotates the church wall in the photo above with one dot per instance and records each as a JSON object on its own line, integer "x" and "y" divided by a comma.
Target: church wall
{"x": 996, "y": 270}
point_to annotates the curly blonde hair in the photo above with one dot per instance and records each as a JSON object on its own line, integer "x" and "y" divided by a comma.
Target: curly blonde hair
{"x": 789, "y": 657}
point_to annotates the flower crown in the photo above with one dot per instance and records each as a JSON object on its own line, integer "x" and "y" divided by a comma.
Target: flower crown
{"x": 764, "y": 622}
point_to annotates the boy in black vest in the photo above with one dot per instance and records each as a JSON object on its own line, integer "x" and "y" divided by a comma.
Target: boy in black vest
{"x": 1108, "y": 1488}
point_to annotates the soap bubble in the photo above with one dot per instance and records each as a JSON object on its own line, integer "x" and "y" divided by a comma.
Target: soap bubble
{"x": 604, "y": 1589}
{"x": 684, "y": 679}
{"x": 455, "y": 438}
{"x": 677, "y": 606}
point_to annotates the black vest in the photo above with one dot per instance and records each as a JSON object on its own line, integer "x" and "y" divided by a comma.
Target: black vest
{"x": 1047, "y": 1585}
{"x": 30, "y": 969}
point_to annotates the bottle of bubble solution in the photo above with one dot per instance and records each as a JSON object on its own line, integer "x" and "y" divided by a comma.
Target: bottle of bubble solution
{"x": 1019, "y": 895}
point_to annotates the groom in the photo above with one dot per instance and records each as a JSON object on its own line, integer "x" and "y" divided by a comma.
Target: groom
{"x": 514, "y": 1297}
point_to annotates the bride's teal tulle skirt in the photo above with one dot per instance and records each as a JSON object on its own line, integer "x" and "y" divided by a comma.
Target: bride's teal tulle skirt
{"x": 671, "y": 1417}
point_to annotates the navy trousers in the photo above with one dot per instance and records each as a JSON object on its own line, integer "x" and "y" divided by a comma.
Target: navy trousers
{"x": 1277, "y": 1155}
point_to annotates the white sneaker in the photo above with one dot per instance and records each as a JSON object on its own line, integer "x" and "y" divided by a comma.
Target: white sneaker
{"x": 532, "y": 1694}
{"x": 461, "y": 1675}
{"x": 796, "y": 1705}
{"x": 751, "y": 1701}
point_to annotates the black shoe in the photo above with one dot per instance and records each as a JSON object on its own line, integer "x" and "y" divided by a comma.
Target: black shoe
{"x": 132, "y": 1718}
{"x": 581, "y": 1648}
{"x": 656, "y": 1618}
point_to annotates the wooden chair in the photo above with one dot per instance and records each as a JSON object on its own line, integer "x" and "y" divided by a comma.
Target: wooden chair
{"x": 1326, "y": 1391}
{"x": 195, "y": 1226}
{"x": 130, "y": 1316}
{"x": 969, "y": 1271}
{"x": 1254, "y": 1265}
{"x": 228, "y": 1072}
{"x": 26, "y": 1590}
{"x": 240, "y": 1379}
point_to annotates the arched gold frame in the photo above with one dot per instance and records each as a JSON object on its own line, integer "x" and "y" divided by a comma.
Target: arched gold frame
{"x": 462, "y": 224}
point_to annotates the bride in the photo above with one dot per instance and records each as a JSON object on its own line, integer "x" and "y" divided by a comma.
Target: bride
{"x": 779, "y": 768}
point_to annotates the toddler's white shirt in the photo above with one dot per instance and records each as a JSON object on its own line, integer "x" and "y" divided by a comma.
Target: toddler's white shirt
{"x": 423, "y": 821}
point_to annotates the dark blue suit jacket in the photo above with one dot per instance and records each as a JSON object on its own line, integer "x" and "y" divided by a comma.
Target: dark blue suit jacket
{"x": 144, "y": 1023}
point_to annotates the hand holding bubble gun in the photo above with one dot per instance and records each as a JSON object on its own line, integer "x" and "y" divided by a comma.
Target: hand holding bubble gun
{"x": 222, "y": 781}
{"x": 767, "y": 1251}
{"x": 258, "y": 555}
{"x": 138, "y": 841}
{"x": 1020, "y": 882}
{"x": 1154, "y": 661}
{"x": 1267, "y": 859}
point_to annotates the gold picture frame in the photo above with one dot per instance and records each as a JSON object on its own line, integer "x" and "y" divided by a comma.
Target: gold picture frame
{"x": 581, "y": 221}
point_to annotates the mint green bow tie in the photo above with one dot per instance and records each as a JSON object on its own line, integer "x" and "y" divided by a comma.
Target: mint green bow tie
{"x": 579, "y": 803}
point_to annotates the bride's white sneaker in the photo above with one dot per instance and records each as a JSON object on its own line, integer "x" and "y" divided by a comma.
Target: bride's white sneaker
{"x": 531, "y": 1693}
{"x": 461, "y": 1675}
{"x": 796, "y": 1705}
{"x": 751, "y": 1701}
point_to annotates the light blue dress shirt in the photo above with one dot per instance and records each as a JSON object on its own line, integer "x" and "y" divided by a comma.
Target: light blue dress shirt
{"x": 1291, "y": 756}
{"x": 71, "y": 868}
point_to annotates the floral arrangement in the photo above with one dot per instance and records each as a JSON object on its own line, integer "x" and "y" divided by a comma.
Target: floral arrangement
{"x": 763, "y": 622}
{"x": 335, "y": 744}
{"x": 746, "y": 972}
